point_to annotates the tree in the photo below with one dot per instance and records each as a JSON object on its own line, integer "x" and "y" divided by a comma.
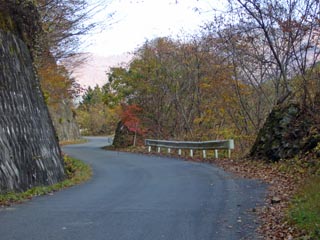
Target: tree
{"x": 276, "y": 43}
{"x": 182, "y": 88}
{"x": 64, "y": 21}
{"x": 130, "y": 119}
{"x": 283, "y": 38}
{"x": 93, "y": 116}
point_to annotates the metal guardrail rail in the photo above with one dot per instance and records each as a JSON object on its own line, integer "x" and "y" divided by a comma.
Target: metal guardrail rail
{"x": 206, "y": 145}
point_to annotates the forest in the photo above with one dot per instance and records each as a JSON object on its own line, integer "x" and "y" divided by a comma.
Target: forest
{"x": 220, "y": 83}
{"x": 252, "y": 74}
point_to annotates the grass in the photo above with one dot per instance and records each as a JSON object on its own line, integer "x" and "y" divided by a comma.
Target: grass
{"x": 76, "y": 171}
{"x": 69, "y": 142}
{"x": 304, "y": 212}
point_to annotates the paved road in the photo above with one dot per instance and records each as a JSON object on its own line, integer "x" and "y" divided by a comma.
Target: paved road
{"x": 137, "y": 197}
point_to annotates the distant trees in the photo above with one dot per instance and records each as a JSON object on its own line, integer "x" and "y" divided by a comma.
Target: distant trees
{"x": 185, "y": 89}
{"x": 63, "y": 22}
{"x": 223, "y": 82}
{"x": 93, "y": 116}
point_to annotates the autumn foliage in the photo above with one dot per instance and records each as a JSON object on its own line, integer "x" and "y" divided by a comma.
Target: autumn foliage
{"x": 223, "y": 82}
{"x": 129, "y": 116}
{"x": 260, "y": 56}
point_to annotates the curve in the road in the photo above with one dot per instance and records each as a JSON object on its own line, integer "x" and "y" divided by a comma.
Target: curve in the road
{"x": 139, "y": 197}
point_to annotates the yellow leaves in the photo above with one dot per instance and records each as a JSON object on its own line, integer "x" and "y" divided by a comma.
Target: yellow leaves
{"x": 55, "y": 82}
{"x": 198, "y": 121}
{"x": 204, "y": 86}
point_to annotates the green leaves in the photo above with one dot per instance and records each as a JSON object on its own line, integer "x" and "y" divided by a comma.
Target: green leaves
{"x": 93, "y": 115}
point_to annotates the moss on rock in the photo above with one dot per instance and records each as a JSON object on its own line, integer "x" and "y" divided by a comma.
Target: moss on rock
{"x": 6, "y": 22}
{"x": 289, "y": 131}
{"x": 20, "y": 18}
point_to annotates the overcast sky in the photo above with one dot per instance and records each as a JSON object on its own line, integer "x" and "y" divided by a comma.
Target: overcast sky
{"x": 134, "y": 22}
{"x": 139, "y": 20}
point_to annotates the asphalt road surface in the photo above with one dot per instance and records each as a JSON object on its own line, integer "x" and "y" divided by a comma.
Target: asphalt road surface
{"x": 137, "y": 197}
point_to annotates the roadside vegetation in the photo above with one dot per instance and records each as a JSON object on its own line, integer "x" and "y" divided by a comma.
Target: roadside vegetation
{"x": 76, "y": 141}
{"x": 292, "y": 203}
{"x": 76, "y": 172}
{"x": 252, "y": 74}
{"x": 304, "y": 211}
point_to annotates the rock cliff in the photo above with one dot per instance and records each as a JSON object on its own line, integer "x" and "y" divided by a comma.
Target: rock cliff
{"x": 289, "y": 131}
{"x": 64, "y": 122}
{"x": 29, "y": 152}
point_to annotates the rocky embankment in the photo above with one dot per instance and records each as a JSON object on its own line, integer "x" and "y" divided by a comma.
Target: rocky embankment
{"x": 29, "y": 150}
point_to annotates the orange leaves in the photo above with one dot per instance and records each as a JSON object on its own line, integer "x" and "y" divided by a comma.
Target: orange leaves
{"x": 55, "y": 82}
{"x": 129, "y": 117}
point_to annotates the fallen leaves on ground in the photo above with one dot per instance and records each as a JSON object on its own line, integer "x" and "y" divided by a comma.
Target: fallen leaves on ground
{"x": 282, "y": 186}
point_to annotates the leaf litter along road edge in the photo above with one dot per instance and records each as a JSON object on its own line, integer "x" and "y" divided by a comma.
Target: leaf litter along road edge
{"x": 284, "y": 179}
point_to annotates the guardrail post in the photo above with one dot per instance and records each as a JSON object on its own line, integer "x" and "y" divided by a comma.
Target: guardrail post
{"x": 192, "y": 146}
{"x": 231, "y": 146}
{"x": 204, "y": 153}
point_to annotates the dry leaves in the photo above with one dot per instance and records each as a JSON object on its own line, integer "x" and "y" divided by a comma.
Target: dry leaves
{"x": 282, "y": 186}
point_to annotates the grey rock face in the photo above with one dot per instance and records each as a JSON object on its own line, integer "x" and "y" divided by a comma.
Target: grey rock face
{"x": 288, "y": 131}
{"x": 64, "y": 121}
{"x": 29, "y": 151}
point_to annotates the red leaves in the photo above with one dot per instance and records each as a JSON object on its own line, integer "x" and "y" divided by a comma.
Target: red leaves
{"x": 130, "y": 118}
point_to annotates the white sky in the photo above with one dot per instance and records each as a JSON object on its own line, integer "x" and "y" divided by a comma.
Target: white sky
{"x": 139, "y": 20}
{"x": 136, "y": 21}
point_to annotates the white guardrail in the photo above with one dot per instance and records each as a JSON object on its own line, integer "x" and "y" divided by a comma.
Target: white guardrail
{"x": 207, "y": 145}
